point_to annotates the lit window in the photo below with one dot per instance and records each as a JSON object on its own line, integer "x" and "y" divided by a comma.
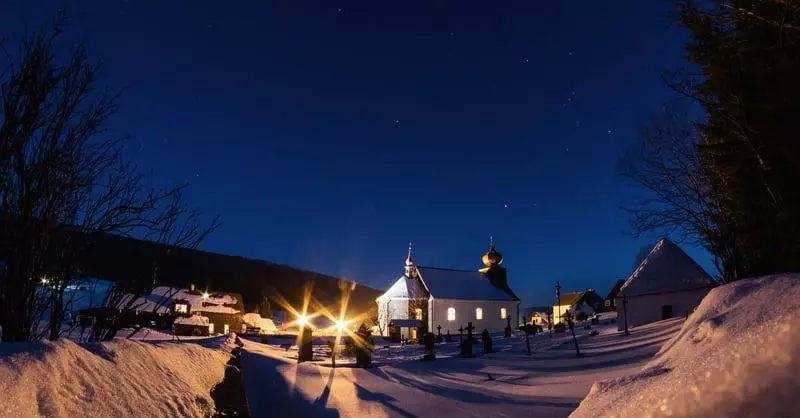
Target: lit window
{"x": 418, "y": 313}
{"x": 227, "y": 329}
{"x": 181, "y": 308}
{"x": 478, "y": 313}
{"x": 503, "y": 313}
{"x": 211, "y": 328}
{"x": 451, "y": 314}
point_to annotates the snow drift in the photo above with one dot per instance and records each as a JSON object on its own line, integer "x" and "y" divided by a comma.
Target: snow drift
{"x": 118, "y": 378}
{"x": 738, "y": 354}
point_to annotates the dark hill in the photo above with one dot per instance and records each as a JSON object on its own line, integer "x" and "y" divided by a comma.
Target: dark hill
{"x": 118, "y": 259}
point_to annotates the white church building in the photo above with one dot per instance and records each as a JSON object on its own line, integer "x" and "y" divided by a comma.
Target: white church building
{"x": 666, "y": 284}
{"x": 427, "y": 298}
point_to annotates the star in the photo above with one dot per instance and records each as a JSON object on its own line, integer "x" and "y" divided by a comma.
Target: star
{"x": 397, "y": 121}
{"x": 570, "y": 53}
{"x": 566, "y": 150}
{"x": 526, "y": 60}
{"x": 339, "y": 10}
{"x": 609, "y": 131}
{"x": 452, "y": 34}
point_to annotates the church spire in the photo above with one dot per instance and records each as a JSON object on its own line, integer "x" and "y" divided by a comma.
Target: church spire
{"x": 409, "y": 262}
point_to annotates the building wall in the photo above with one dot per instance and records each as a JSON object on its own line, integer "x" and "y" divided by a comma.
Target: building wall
{"x": 646, "y": 309}
{"x": 391, "y": 309}
{"x": 466, "y": 312}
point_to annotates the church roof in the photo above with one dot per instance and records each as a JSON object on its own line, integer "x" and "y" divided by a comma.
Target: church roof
{"x": 405, "y": 288}
{"x": 666, "y": 268}
{"x": 460, "y": 284}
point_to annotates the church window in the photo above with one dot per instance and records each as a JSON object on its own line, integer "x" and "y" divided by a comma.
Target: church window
{"x": 478, "y": 313}
{"x": 418, "y": 314}
{"x": 503, "y": 313}
{"x": 451, "y": 314}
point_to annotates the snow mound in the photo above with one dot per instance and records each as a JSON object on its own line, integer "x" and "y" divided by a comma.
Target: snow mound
{"x": 738, "y": 354}
{"x": 117, "y": 378}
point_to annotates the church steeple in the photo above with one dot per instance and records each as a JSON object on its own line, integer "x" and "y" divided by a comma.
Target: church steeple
{"x": 492, "y": 257}
{"x": 409, "y": 262}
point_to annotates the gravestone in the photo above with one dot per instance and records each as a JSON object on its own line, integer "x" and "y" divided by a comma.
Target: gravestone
{"x": 439, "y": 333}
{"x": 304, "y": 351}
{"x": 487, "y": 341}
{"x": 466, "y": 346}
{"x": 461, "y": 335}
{"x": 447, "y": 337}
{"x": 429, "y": 347}
{"x": 508, "y": 327}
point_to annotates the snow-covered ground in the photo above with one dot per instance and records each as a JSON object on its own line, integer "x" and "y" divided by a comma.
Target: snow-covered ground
{"x": 737, "y": 355}
{"x": 117, "y": 378}
{"x": 550, "y": 383}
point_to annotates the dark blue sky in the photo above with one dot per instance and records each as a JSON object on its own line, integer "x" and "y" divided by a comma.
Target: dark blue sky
{"x": 328, "y": 134}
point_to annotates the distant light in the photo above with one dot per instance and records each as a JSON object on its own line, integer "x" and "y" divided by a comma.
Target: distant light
{"x": 341, "y": 325}
{"x": 206, "y": 295}
{"x": 44, "y": 280}
{"x": 302, "y": 320}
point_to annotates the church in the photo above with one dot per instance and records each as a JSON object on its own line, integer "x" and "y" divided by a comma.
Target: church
{"x": 432, "y": 299}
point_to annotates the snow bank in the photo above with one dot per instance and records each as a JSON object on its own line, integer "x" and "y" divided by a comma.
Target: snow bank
{"x": 118, "y": 378}
{"x": 738, "y": 354}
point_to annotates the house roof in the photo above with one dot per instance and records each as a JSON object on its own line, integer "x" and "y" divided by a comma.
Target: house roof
{"x": 163, "y": 298}
{"x": 572, "y": 298}
{"x": 614, "y": 290}
{"x": 405, "y": 288}
{"x": 537, "y": 309}
{"x": 460, "y": 284}
{"x": 666, "y": 268}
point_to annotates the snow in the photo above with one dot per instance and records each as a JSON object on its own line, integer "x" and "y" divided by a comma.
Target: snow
{"x": 550, "y": 383}
{"x": 255, "y": 320}
{"x": 164, "y": 298}
{"x": 405, "y": 287}
{"x": 117, "y": 378}
{"x": 738, "y": 354}
{"x": 197, "y": 320}
{"x": 666, "y": 268}
{"x": 460, "y": 284}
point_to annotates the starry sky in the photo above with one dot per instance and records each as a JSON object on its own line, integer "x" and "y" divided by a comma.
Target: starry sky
{"x": 329, "y": 134}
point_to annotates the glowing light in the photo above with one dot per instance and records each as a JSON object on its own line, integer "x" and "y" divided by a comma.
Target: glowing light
{"x": 206, "y": 295}
{"x": 302, "y": 320}
{"x": 44, "y": 280}
{"x": 341, "y": 325}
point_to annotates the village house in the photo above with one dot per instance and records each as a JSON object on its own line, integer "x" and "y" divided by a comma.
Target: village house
{"x": 609, "y": 303}
{"x": 538, "y": 315}
{"x": 197, "y": 312}
{"x": 666, "y": 283}
{"x": 580, "y": 304}
{"x": 429, "y": 299}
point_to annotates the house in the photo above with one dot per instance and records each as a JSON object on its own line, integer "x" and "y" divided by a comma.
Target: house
{"x": 608, "y": 303}
{"x": 538, "y": 315}
{"x": 666, "y": 283}
{"x": 578, "y": 303}
{"x": 431, "y": 299}
{"x": 218, "y": 313}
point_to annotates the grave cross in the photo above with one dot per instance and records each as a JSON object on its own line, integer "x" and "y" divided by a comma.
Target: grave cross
{"x": 439, "y": 329}
{"x": 466, "y": 346}
{"x": 460, "y": 333}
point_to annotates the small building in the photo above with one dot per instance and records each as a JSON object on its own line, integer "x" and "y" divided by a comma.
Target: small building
{"x": 609, "y": 303}
{"x": 538, "y": 315}
{"x": 586, "y": 302}
{"x": 667, "y": 283}
{"x": 430, "y": 299}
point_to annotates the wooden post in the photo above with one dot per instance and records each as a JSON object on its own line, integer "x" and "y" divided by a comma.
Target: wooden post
{"x": 625, "y": 312}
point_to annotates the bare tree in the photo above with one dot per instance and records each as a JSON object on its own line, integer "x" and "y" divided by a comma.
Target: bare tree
{"x": 675, "y": 197}
{"x": 63, "y": 183}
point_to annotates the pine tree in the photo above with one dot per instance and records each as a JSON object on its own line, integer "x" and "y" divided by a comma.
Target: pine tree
{"x": 748, "y": 57}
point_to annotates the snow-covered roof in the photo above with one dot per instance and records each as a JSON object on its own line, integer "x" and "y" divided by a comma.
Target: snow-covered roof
{"x": 197, "y": 320}
{"x": 255, "y": 320}
{"x": 405, "y": 288}
{"x": 666, "y": 268}
{"x": 460, "y": 284}
{"x": 164, "y": 298}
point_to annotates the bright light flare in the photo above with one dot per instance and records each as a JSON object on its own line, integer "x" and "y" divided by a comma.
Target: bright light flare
{"x": 206, "y": 295}
{"x": 302, "y": 320}
{"x": 341, "y": 325}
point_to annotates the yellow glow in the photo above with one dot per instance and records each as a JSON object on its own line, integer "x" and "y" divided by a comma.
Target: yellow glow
{"x": 341, "y": 325}
{"x": 302, "y": 320}
{"x": 44, "y": 280}
{"x": 206, "y": 295}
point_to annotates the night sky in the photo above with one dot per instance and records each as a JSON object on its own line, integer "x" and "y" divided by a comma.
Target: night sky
{"x": 328, "y": 134}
